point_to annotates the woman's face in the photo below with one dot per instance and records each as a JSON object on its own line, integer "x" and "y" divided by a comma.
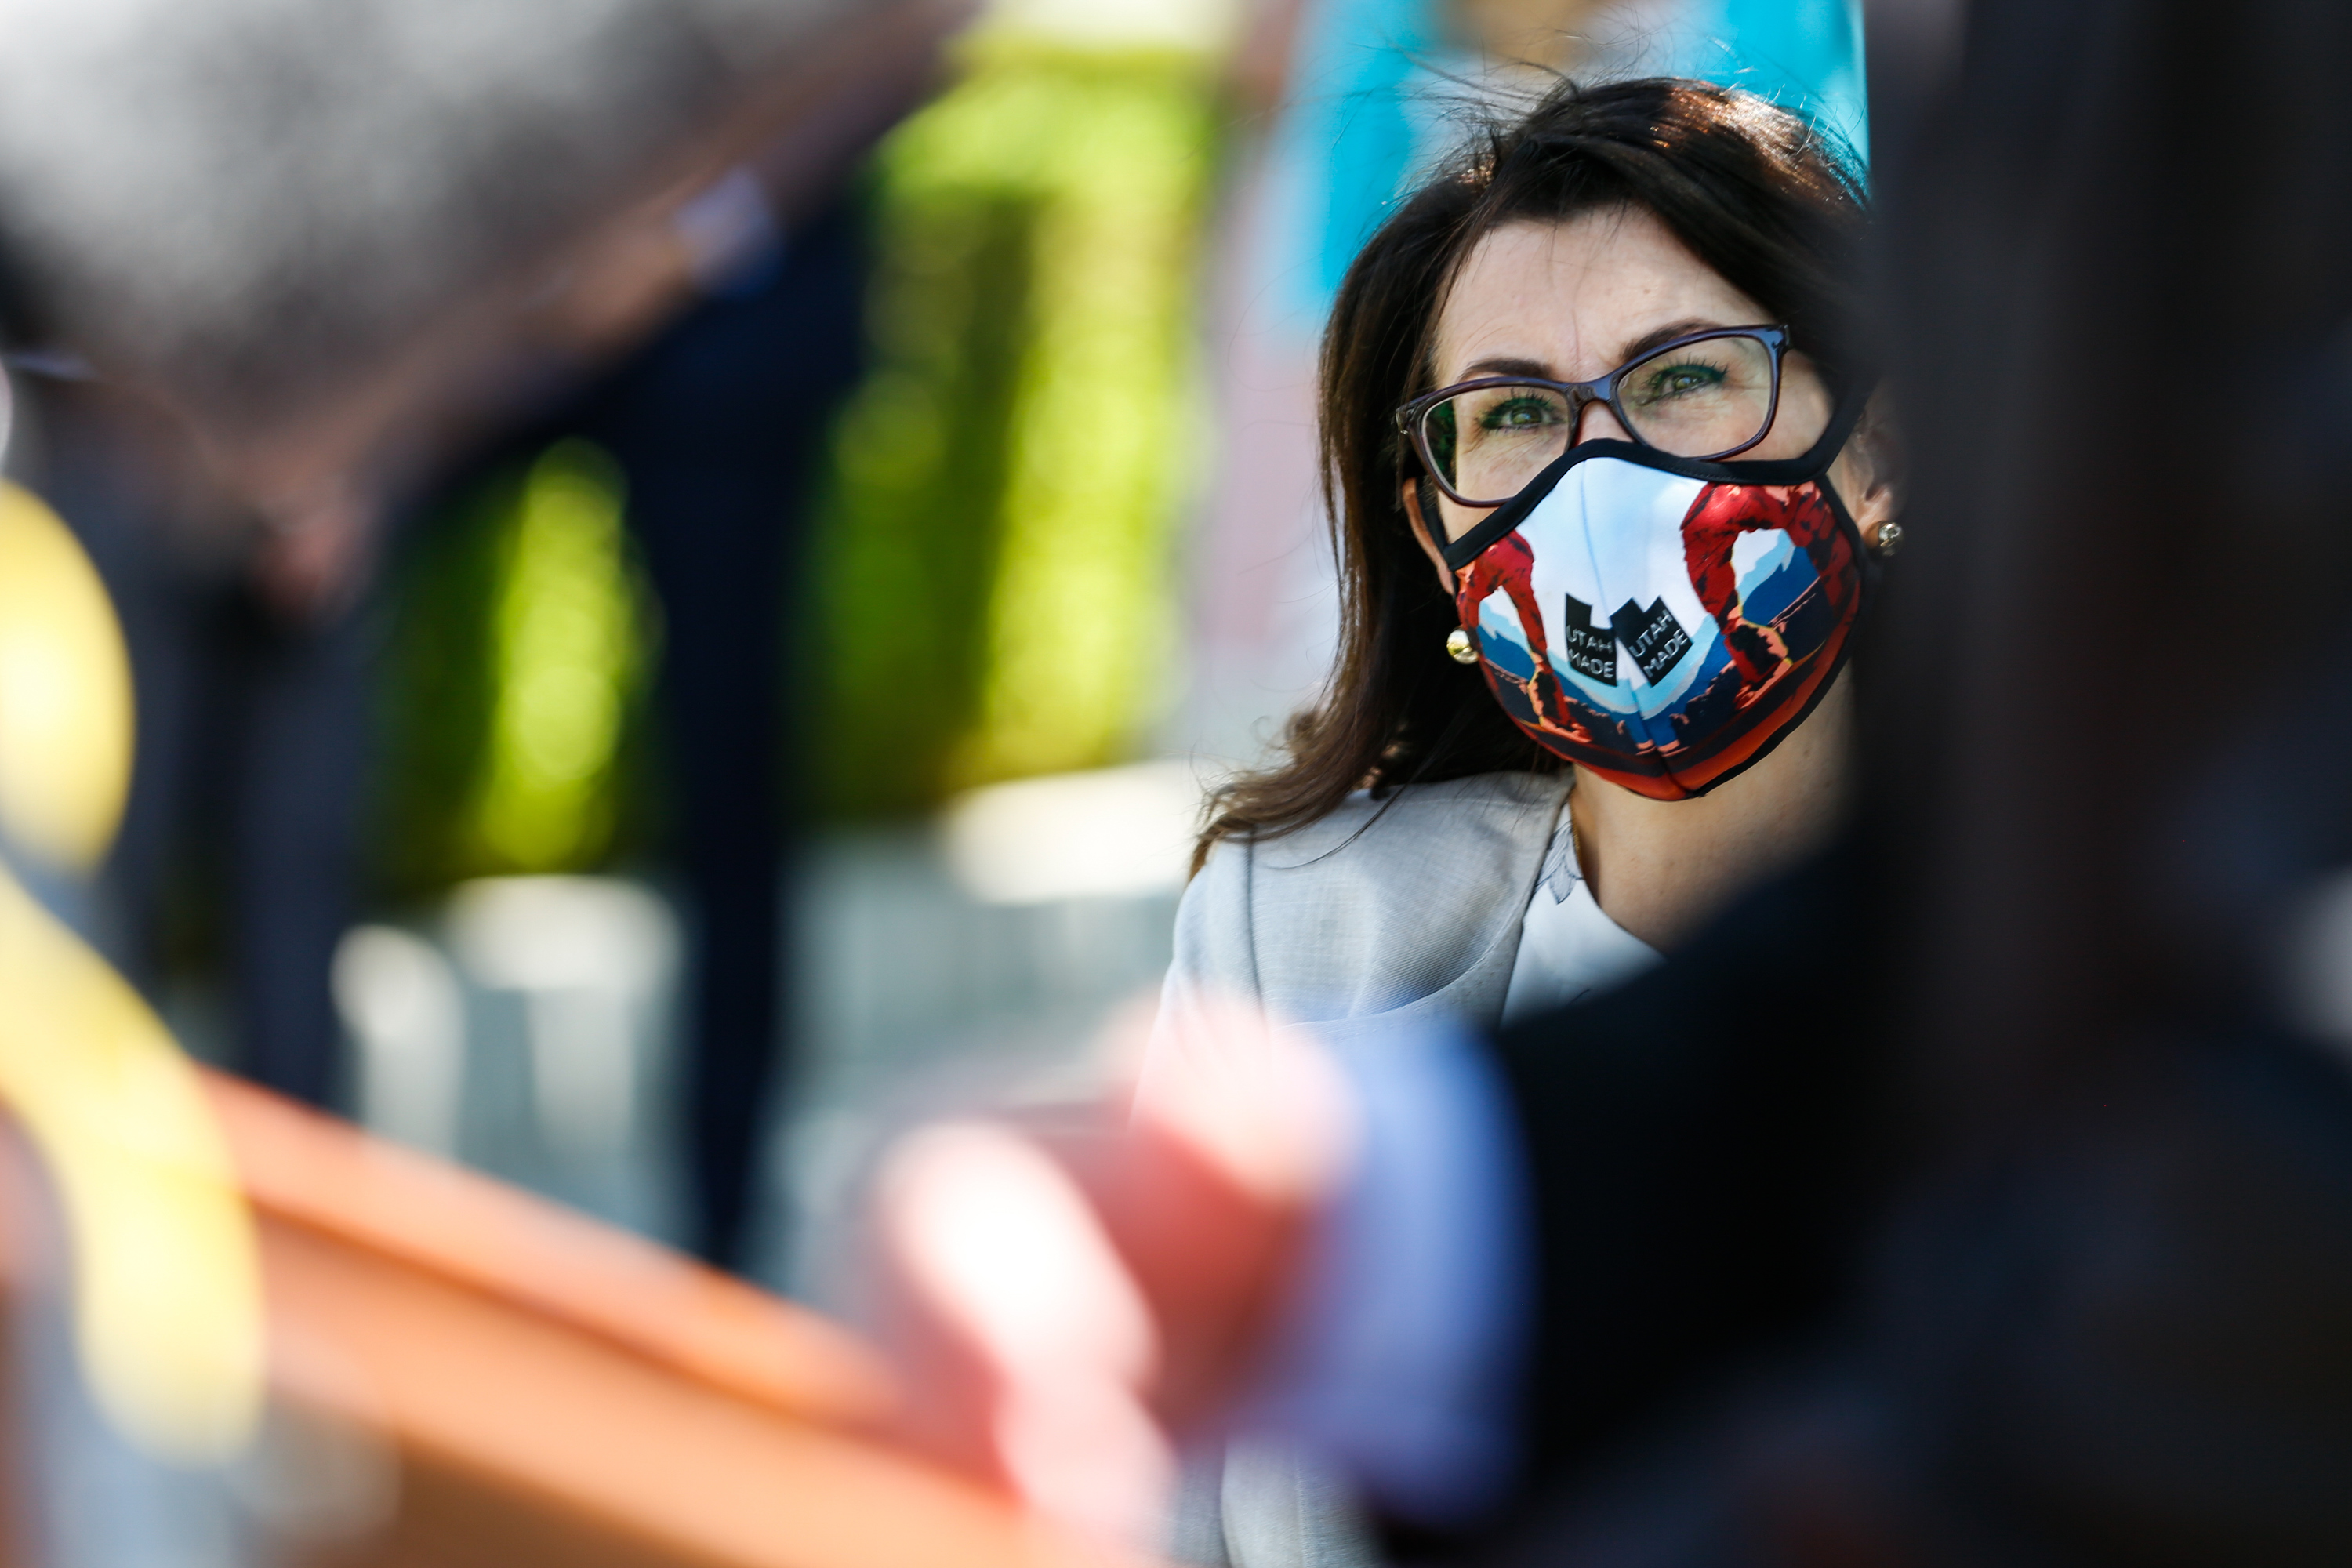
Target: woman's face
{"x": 1573, "y": 300}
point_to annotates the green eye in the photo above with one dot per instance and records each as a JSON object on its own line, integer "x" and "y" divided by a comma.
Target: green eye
{"x": 1522, "y": 413}
{"x": 1660, "y": 383}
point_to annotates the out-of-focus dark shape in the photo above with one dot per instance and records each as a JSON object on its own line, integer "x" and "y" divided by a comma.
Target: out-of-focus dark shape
{"x": 653, "y": 522}
{"x": 720, "y": 428}
{"x": 2109, "y": 651}
{"x": 1911, "y": 47}
{"x": 332, "y": 237}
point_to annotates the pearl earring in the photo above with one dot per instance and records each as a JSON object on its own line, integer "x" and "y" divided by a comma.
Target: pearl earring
{"x": 1459, "y": 647}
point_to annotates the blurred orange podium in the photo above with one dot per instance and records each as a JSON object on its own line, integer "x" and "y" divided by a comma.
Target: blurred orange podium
{"x": 453, "y": 1373}
{"x": 544, "y": 1389}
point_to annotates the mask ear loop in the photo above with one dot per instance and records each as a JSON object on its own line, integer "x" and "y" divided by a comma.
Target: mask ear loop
{"x": 1460, "y": 645}
{"x": 1427, "y": 488}
{"x": 1845, "y": 417}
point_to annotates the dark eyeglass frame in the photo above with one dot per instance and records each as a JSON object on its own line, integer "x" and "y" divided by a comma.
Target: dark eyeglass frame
{"x": 1412, "y": 419}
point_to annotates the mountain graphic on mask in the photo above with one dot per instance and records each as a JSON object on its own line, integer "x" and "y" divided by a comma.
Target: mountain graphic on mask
{"x": 1733, "y": 603}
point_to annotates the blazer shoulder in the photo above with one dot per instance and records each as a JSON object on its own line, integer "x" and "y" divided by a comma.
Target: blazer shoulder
{"x": 1512, "y": 806}
{"x": 1378, "y": 905}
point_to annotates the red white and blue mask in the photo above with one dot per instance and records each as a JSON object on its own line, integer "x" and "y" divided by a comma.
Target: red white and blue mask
{"x": 1661, "y": 621}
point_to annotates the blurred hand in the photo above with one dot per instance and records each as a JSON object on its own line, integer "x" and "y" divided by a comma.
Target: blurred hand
{"x": 1061, "y": 1299}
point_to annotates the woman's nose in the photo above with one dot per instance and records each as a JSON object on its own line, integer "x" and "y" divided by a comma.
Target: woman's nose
{"x": 1599, "y": 422}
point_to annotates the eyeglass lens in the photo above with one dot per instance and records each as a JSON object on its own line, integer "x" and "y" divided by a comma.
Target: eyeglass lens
{"x": 1693, "y": 400}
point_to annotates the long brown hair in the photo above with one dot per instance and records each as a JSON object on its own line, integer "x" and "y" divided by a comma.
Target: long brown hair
{"x": 1757, "y": 193}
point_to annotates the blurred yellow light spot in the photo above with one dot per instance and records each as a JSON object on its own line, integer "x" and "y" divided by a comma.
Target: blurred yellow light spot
{"x": 65, "y": 691}
{"x": 167, "y": 1296}
{"x": 167, "y": 1299}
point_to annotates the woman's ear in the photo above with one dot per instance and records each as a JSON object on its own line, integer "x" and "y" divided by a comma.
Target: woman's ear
{"x": 1412, "y": 487}
{"x": 1869, "y": 473}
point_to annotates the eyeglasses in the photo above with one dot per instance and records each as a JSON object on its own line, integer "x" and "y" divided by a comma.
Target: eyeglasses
{"x": 1706, "y": 395}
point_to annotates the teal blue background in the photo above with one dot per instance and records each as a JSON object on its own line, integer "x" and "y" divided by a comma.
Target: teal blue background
{"x": 1368, "y": 105}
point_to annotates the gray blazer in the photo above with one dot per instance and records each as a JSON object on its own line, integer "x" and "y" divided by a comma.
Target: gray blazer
{"x": 1383, "y": 910}
{"x": 1387, "y": 911}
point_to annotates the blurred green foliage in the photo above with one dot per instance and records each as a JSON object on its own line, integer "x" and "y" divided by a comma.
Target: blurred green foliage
{"x": 994, "y": 592}
{"x": 520, "y": 650}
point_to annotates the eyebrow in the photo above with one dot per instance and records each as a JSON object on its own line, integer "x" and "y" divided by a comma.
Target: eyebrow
{"x": 1667, "y": 333}
{"x": 1529, "y": 367}
{"x": 1537, "y": 370}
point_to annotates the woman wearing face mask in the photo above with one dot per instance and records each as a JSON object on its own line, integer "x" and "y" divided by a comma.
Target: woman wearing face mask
{"x": 1609, "y": 500}
{"x": 1608, "y": 497}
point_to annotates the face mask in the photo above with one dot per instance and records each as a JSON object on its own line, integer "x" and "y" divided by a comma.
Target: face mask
{"x": 1661, "y": 621}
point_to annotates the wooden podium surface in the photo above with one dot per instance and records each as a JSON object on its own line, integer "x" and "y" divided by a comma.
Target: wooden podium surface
{"x": 539, "y": 1388}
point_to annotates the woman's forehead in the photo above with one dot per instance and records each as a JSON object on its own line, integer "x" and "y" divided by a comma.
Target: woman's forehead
{"x": 1571, "y": 295}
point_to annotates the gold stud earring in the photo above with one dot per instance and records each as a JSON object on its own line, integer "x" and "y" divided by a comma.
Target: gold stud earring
{"x": 1459, "y": 647}
{"x": 1889, "y": 540}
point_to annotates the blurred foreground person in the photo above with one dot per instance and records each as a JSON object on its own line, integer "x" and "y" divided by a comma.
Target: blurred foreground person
{"x": 250, "y": 649}
{"x": 251, "y": 365}
{"x": 719, "y": 425}
{"x": 1981, "y": 1193}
